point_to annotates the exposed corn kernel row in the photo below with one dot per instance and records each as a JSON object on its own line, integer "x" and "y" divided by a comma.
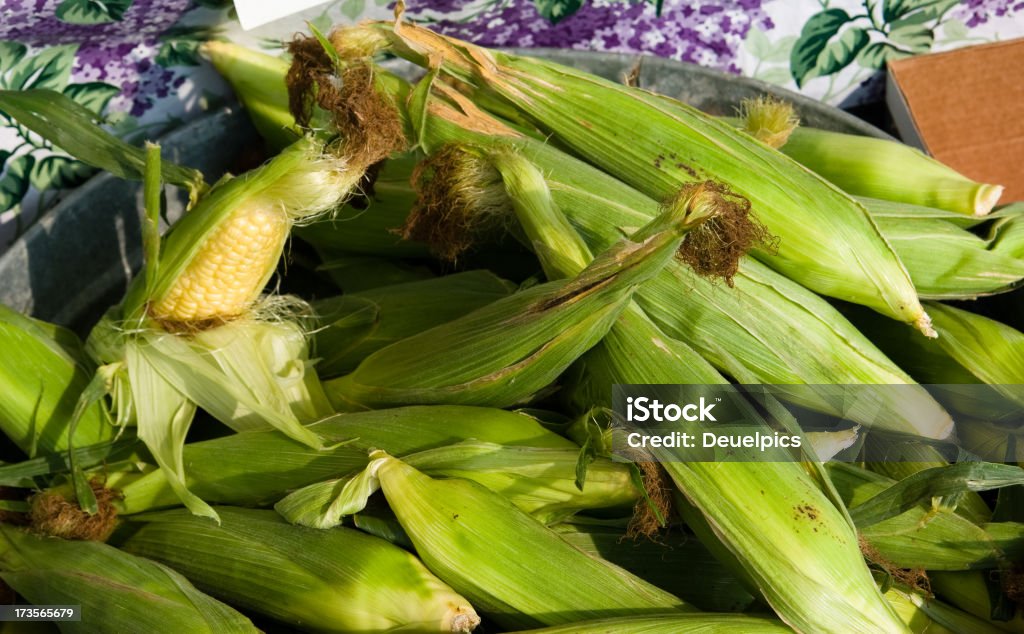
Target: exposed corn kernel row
{"x": 227, "y": 274}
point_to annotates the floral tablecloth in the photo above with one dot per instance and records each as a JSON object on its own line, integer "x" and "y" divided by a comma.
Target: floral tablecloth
{"x": 135, "y": 62}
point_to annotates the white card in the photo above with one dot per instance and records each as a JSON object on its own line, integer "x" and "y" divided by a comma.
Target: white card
{"x": 254, "y": 13}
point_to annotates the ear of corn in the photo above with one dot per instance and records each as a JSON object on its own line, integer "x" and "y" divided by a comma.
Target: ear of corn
{"x": 682, "y": 624}
{"x": 43, "y": 372}
{"x": 122, "y": 592}
{"x": 474, "y": 539}
{"x": 539, "y": 481}
{"x": 827, "y": 241}
{"x": 258, "y": 82}
{"x": 340, "y": 580}
{"x": 355, "y": 325}
{"x": 505, "y": 352}
{"x": 660, "y": 562}
{"x": 931, "y": 539}
{"x": 866, "y": 166}
{"x": 949, "y": 262}
{"x": 260, "y": 467}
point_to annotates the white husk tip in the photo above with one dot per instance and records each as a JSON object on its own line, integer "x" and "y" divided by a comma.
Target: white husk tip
{"x": 987, "y": 198}
{"x": 320, "y": 185}
{"x": 463, "y": 619}
{"x": 924, "y": 324}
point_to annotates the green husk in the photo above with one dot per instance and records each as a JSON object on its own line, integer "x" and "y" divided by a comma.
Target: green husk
{"x": 866, "y": 166}
{"x": 923, "y": 537}
{"x": 923, "y": 613}
{"x": 355, "y": 325}
{"x": 661, "y": 561}
{"x": 949, "y": 262}
{"x": 340, "y": 580}
{"x": 258, "y": 82}
{"x": 43, "y": 373}
{"x": 509, "y": 350}
{"x": 827, "y": 240}
{"x": 539, "y": 481}
{"x": 117, "y": 592}
{"x": 72, "y": 127}
{"x": 475, "y": 540}
{"x": 682, "y": 624}
{"x": 258, "y": 468}
{"x": 890, "y": 170}
{"x": 368, "y": 224}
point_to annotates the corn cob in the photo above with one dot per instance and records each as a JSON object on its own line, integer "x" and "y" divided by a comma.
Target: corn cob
{"x": 260, "y": 467}
{"x": 43, "y": 372}
{"x": 660, "y": 562}
{"x": 332, "y": 581}
{"x": 865, "y": 166}
{"x": 357, "y": 324}
{"x": 118, "y": 592}
{"x": 924, "y": 538}
{"x": 827, "y": 241}
{"x": 473, "y": 539}
{"x": 528, "y": 339}
{"x": 682, "y": 624}
{"x": 543, "y": 482}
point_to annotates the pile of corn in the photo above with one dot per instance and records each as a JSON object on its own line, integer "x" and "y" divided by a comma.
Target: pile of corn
{"x": 420, "y": 441}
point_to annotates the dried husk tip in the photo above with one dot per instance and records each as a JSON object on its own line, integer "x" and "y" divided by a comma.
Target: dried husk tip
{"x": 714, "y": 247}
{"x": 459, "y": 198}
{"x": 768, "y": 119}
{"x": 368, "y": 123}
{"x": 646, "y": 521}
{"x": 53, "y": 514}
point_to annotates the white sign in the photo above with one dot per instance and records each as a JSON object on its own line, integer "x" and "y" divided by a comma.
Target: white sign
{"x": 254, "y": 13}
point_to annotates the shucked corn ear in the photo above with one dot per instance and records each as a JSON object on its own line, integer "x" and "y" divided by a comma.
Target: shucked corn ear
{"x": 827, "y": 241}
{"x": 260, "y": 467}
{"x": 188, "y": 333}
{"x": 726, "y": 326}
{"x": 117, "y": 592}
{"x": 355, "y": 325}
{"x": 43, "y": 371}
{"x": 866, "y": 166}
{"x": 543, "y": 482}
{"x": 474, "y": 539}
{"x": 340, "y": 580}
{"x": 507, "y": 351}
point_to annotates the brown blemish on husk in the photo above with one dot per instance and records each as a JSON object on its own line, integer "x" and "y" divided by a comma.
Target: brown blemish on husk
{"x": 915, "y": 578}
{"x": 459, "y": 199}
{"x": 466, "y": 114}
{"x": 54, "y": 515}
{"x": 368, "y": 123}
{"x": 645, "y": 522}
{"x": 714, "y": 248}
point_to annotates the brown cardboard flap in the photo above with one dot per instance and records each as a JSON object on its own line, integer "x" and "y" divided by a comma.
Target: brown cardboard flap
{"x": 967, "y": 109}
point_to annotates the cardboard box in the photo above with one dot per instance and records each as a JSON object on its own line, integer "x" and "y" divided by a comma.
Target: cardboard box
{"x": 966, "y": 108}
